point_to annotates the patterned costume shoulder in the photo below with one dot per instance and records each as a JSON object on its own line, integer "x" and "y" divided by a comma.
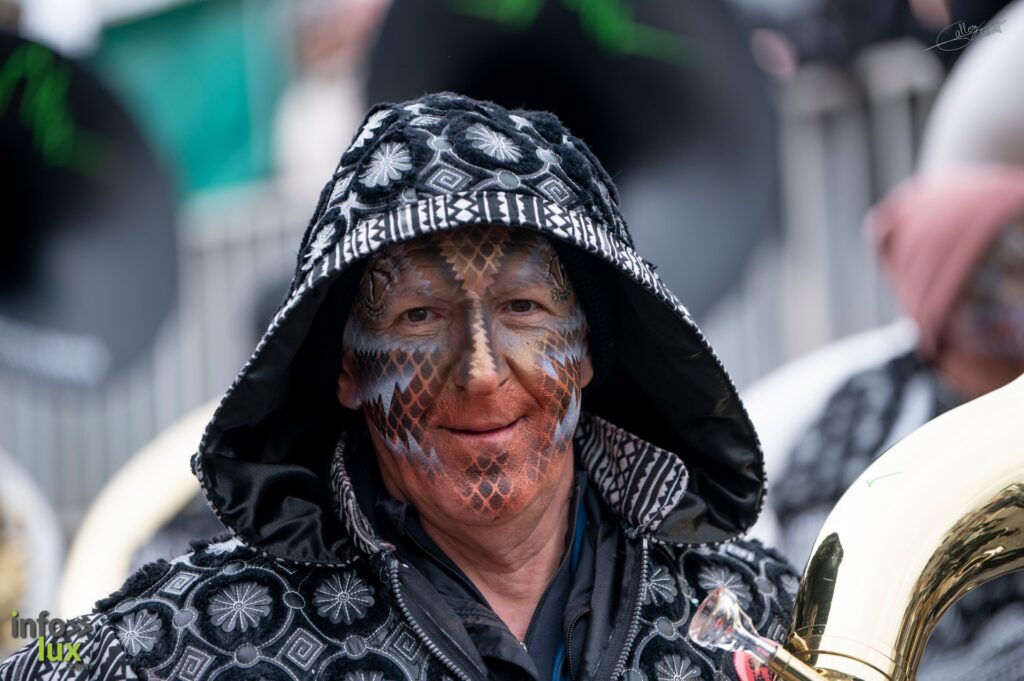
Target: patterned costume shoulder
{"x": 225, "y": 606}
{"x": 93, "y": 654}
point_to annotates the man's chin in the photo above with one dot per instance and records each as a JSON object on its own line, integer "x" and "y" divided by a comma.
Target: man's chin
{"x": 485, "y": 515}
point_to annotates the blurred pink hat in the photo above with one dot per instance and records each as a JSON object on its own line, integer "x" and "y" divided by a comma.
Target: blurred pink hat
{"x": 931, "y": 231}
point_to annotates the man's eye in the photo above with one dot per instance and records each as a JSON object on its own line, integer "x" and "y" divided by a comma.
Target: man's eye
{"x": 417, "y": 314}
{"x": 521, "y": 306}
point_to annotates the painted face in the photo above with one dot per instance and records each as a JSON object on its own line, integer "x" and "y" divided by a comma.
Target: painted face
{"x": 466, "y": 351}
{"x": 989, "y": 318}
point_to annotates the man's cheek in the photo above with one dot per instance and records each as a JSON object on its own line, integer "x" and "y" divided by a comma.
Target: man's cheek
{"x": 377, "y": 374}
{"x": 400, "y": 390}
{"x": 561, "y": 359}
{"x": 534, "y": 352}
{"x": 382, "y": 371}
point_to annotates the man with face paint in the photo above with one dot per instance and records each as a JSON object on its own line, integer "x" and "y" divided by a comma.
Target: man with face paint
{"x": 952, "y": 245}
{"x": 467, "y": 353}
{"x": 480, "y": 440}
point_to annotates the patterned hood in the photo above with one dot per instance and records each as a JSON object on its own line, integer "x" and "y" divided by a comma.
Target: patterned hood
{"x": 678, "y": 458}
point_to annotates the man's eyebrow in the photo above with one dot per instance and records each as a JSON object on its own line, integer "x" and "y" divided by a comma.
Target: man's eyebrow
{"x": 532, "y": 285}
{"x": 419, "y": 292}
{"x": 523, "y": 276}
{"x": 531, "y": 280}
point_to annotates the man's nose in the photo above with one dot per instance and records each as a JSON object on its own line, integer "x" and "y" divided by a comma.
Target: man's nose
{"x": 483, "y": 369}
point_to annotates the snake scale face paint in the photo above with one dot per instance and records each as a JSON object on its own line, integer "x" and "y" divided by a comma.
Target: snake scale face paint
{"x": 466, "y": 351}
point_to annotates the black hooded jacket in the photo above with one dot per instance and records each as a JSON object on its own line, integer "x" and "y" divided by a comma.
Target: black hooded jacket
{"x": 308, "y": 585}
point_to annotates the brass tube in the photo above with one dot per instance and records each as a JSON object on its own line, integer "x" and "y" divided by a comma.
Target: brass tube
{"x": 788, "y": 666}
{"x": 937, "y": 515}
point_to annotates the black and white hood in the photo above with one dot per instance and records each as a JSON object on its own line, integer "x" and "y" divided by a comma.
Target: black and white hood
{"x": 664, "y": 436}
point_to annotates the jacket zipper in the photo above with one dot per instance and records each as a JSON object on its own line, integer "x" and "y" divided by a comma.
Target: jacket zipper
{"x": 568, "y": 640}
{"x": 634, "y": 624}
{"x": 431, "y": 646}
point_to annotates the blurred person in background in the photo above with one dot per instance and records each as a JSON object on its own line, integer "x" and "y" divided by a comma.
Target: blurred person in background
{"x": 952, "y": 246}
{"x": 480, "y": 438}
{"x": 323, "y": 104}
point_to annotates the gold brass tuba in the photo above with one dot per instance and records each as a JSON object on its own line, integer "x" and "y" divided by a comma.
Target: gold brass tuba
{"x": 938, "y": 514}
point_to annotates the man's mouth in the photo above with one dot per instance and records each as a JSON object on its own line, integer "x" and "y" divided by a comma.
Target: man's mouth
{"x": 484, "y": 431}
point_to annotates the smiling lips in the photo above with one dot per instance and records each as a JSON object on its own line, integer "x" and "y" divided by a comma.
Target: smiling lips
{"x": 484, "y": 432}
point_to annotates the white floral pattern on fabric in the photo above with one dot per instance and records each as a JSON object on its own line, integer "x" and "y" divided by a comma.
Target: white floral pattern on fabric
{"x": 364, "y": 676}
{"x": 717, "y": 576}
{"x": 520, "y": 122}
{"x": 239, "y": 606}
{"x": 341, "y": 186}
{"x": 661, "y": 588}
{"x": 677, "y": 668}
{"x": 374, "y": 122}
{"x": 425, "y": 120}
{"x": 343, "y": 598}
{"x": 320, "y": 243}
{"x": 139, "y": 631}
{"x": 765, "y": 586}
{"x": 686, "y": 590}
{"x": 548, "y": 156}
{"x": 790, "y": 583}
{"x": 493, "y": 143}
{"x": 386, "y": 165}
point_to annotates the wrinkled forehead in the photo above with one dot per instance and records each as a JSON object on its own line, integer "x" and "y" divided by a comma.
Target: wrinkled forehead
{"x": 473, "y": 255}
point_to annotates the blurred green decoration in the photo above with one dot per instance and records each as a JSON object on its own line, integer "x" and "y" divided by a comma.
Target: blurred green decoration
{"x": 203, "y": 79}
{"x": 44, "y": 112}
{"x": 609, "y": 23}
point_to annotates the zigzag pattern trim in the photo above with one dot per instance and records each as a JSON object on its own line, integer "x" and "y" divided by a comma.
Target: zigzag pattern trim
{"x": 642, "y": 482}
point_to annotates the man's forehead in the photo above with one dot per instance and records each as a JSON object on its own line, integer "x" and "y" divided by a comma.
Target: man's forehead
{"x": 484, "y": 240}
{"x": 470, "y": 252}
